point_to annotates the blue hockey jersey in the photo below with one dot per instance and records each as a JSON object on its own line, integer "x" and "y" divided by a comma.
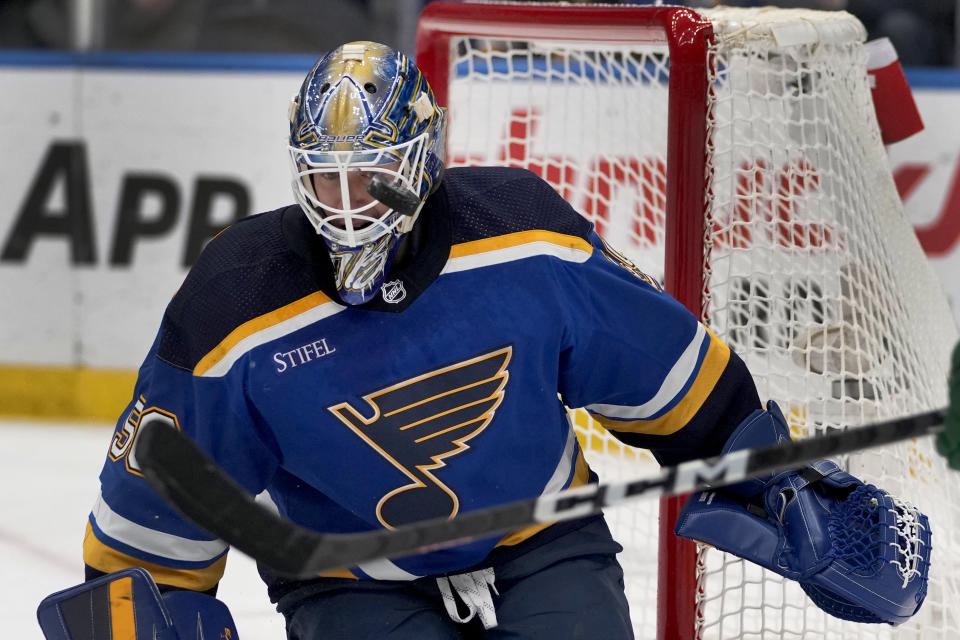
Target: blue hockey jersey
{"x": 444, "y": 394}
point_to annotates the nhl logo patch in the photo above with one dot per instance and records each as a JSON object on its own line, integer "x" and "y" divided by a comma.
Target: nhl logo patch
{"x": 393, "y": 291}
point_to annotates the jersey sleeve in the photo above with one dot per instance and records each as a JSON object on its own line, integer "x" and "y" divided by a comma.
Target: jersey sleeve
{"x": 230, "y": 284}
{"x": 643, "y": 366}
{"x": 130, "y": 525}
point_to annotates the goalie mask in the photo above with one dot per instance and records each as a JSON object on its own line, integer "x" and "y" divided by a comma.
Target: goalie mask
{"x": 363, "y": 110}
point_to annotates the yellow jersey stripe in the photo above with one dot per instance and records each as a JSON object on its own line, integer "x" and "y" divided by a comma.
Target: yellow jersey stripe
{"x": 106, "y": 559}
{"x": 516, "y": 246}
{"x": 265, "y": 328}
{"x": 715, "y": 361}
{"x": 338, "y": 573}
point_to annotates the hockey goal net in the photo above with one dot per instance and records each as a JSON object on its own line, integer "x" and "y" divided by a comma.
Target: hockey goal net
{"x": 735, "y": 154}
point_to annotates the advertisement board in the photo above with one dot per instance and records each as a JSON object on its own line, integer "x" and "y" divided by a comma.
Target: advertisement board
{"x": 115, "y": 172}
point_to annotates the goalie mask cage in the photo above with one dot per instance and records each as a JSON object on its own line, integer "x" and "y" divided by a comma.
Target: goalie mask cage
{"x": 733, "y": 153}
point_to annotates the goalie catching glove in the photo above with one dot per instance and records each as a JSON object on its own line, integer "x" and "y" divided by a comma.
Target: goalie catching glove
{"x": 859, "y": 553}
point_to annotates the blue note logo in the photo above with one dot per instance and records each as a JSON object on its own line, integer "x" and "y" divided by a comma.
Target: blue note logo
{"x": 419, "y": 424}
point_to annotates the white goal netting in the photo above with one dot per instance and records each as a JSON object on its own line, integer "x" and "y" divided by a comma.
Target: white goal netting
{"x": 810, "y": 271}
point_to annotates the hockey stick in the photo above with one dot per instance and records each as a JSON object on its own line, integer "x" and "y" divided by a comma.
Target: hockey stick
{"x": 188, "y": 479}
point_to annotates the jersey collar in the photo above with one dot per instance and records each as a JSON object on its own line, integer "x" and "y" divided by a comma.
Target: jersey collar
{"x": 405, "y": 282}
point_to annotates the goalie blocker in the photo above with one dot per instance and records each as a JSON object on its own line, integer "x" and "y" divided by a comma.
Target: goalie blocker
{"x": 859, "y": 553}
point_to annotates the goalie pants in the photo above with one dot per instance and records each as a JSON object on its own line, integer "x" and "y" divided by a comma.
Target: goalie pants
{"x": 569, "y": 587}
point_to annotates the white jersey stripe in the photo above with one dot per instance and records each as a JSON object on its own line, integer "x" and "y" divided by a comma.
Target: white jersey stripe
{"x": 151, "y": 541}
{"x": 271, "y": 333}
{"x": 683, "y": 370}
{"x": 562, "y": 472}
{"x": 517, "y": 252}
{"x": 385, "y": 570}
{"x": 377, "y": 569}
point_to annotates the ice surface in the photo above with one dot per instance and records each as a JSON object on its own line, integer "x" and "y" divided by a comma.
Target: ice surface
{"x": 49, "y": 475}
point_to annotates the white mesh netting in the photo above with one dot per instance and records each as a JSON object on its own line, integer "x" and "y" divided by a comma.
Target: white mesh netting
{"x": 812, "y": 273}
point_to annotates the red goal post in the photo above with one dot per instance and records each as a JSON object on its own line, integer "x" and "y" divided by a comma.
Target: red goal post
{"x": 734, "y": 153}
{"x": 684, "y": 174}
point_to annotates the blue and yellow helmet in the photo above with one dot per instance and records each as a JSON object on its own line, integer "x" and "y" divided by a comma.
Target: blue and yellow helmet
{"x": 364, "y": 109}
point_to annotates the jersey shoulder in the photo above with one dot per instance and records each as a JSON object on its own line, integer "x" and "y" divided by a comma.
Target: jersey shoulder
{"x": 249, "y": 269}
{"x": 484, "y": 202}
